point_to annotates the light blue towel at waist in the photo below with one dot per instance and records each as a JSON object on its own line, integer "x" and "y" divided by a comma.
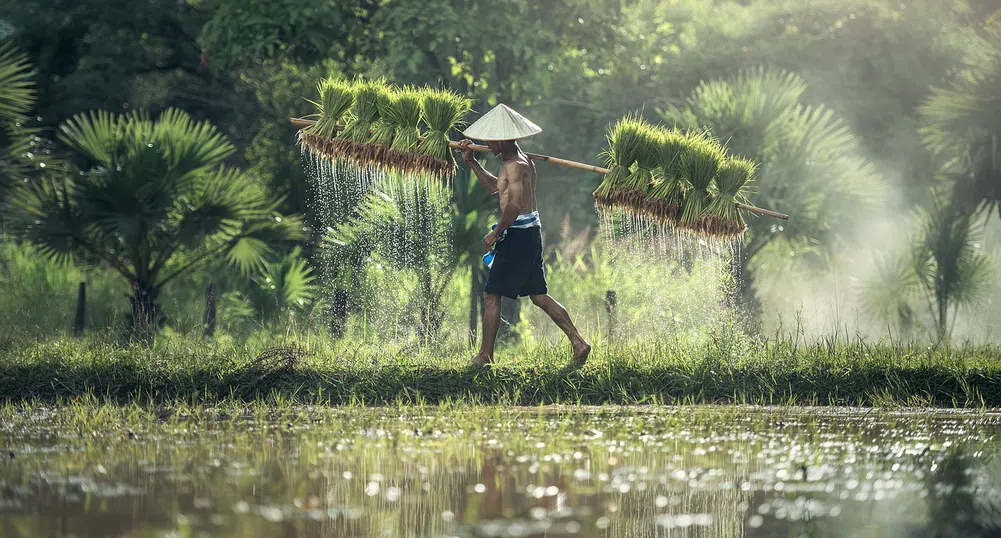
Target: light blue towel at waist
{"x": 526, "y": 220}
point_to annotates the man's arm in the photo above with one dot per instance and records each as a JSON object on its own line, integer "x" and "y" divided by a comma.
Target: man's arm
{"x": 515, "y": 173}
{"x": 486, "y": 178}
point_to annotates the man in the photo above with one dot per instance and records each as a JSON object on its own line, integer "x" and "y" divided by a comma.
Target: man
{"x": 516, "y": 262}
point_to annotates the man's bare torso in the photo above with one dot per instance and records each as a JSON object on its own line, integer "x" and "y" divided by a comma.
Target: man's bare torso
{"x": 524, "y": 169}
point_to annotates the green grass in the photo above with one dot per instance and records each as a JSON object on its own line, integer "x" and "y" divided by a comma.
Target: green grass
{"x": 309, "y": 370}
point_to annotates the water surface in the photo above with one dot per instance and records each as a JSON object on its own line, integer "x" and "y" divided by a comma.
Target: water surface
{"x": 554, "y": 472}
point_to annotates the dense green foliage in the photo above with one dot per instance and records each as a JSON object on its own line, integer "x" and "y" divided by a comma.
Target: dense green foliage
{"x": 854, "y": 109}
{"x": 154, "y": 205}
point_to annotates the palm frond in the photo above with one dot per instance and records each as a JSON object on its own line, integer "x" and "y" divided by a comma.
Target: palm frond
{"x": 189, "y": 146}
{"x": 248, "y": 254}
{"x": 43, "y": 214}
{"x": 286, "y": 283}
{"x": 218, "y": 205}
{"x": 17, "y": 90}
{"x": 98, "y": 135}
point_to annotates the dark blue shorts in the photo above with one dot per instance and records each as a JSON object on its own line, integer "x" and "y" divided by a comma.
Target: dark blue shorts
{"x": 517, "y": 268}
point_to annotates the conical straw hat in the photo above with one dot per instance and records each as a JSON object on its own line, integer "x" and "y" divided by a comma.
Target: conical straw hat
{"x": 502, "y": 123}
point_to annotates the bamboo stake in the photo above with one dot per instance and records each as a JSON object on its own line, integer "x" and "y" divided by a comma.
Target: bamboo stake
{"x": 299, "y": 122}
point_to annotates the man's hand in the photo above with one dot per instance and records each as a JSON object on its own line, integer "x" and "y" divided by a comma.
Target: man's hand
{"x": 490, "y": 239}
{"x": 467, "y": 154}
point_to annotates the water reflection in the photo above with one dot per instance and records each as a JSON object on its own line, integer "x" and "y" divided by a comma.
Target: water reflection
{"x": 672, "y": 472}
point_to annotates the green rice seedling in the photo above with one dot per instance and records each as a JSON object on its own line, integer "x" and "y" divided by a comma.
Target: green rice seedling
{"x": 336, "y": 99}
{"x": 624, "y": 139}
{"x": 723, "y": 220}
{"x": 698, "y": 167}
{"x": 405, "y": 114}
{"x": 664, "y": 197}
{"x": 444, "y": 111}
{"x": 364, "y": 116}
{"x": 384, "y": 130}
{"x": 634, "y": 188}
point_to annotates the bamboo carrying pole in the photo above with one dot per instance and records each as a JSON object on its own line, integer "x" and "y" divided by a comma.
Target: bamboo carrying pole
{"x": 299, "y": 122}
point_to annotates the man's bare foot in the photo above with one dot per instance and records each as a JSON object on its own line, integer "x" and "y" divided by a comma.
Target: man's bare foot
{"x": 482, "y": 360}
{"x": 580, "y": 352}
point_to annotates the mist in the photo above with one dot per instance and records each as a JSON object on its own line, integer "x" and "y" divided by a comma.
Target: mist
{"x": 851, "y": 57}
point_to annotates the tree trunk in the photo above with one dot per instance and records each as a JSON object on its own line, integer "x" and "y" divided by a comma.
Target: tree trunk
{"x": 81, "y": 310}
{"x": 210, "y": 310}
{"x": 943, "y": 315}
{"x": 147, "y": 315}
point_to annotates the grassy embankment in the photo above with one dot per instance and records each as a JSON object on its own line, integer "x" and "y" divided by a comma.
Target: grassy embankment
{"x": 309, "y": 371}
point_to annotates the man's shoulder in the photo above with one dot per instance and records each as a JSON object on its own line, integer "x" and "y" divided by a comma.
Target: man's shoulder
{"x": 517, "y": 166}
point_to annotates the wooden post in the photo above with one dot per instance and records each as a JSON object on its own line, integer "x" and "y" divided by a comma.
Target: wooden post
{"x": 210, "y": 310}
{"x": 81, "y": 310}
{"x": 610, "y": 301}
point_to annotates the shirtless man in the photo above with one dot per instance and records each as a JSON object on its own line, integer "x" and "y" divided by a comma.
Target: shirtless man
{"x": 516, "y": 269}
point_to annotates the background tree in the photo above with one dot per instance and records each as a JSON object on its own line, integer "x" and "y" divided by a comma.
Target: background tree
{"x": 962, "y": 124}
{"x": 116, "y": 55}
{"x": 22, "y": 151}
{"x": 277, "y": 290}
{"x": 950, "y": 265}
{"x": 940, "y": 271}
{"x": 153, "y": 204}
{"x": 238, "y": 34}
{"x": 808, "y": 160}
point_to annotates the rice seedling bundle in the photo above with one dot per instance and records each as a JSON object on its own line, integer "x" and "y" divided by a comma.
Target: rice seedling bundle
{"x": 680, "y": 178}
{"x": 634, "y": 188}
{"x": 384, "y": 130}
{"x": 722, "y": 219}
{"x": 365, "y": 114}
{"x": 698, "y": 167}
{"x": 624, "y": 139}
{"x": 405, "y": 114}
{"x": 665, "y": 196}
{"x": 443, "y": 112}
{"x": 336, "y": 99}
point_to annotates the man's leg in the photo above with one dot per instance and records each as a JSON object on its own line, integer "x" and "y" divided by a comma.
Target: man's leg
{"x": 491, "y": 322}
{"x": 559, "y": 315}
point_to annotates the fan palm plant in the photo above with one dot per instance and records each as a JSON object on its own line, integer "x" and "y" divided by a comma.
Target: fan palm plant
{"x": 951, "y": 269}
{"x": 806, "y": 155}
{"x": 962, "y": 125}
{"x": 153, "y": 204}
{"x": 887, "y": 295}
{"x": 20, "y": 156}
{"x": 17, "y": 91}
{"x": 277, "y": 288}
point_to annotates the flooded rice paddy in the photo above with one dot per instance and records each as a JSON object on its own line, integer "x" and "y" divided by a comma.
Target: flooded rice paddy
{"x": 553, "y": 472}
